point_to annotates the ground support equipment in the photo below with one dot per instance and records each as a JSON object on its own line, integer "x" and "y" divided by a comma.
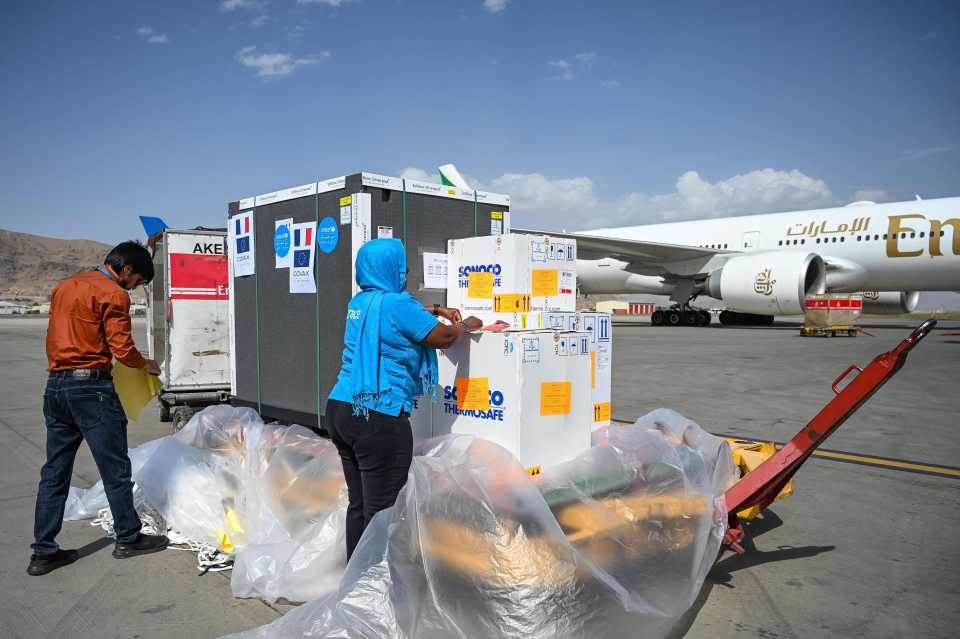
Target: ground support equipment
{"x": 830, "y": 331}
{"x": 760, "y": 488}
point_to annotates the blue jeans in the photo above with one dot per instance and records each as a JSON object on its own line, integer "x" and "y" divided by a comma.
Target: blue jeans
{"x": 78, "y": 409}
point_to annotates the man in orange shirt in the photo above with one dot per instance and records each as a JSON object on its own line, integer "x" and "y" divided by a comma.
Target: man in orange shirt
{"x": 89, "y": 325}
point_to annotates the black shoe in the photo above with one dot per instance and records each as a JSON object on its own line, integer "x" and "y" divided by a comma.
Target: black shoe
{"x": 144, "y": 545}
{"x": 42, "y": 564}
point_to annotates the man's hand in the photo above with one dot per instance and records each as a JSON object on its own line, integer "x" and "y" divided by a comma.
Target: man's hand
{"x": 152, "y": 367}
{"x": 452, "y": 315}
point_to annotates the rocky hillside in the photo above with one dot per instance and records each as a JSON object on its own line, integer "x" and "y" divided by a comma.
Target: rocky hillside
{"x": 31, "y": 265}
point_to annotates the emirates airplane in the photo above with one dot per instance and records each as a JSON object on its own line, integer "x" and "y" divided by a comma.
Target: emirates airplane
{"x": 764, "y": 265}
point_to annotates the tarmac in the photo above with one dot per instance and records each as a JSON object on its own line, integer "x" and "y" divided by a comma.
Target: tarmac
{"x": 864, "y": 549}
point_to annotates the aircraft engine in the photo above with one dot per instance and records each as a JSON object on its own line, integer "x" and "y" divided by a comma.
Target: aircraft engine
{"x": 768, "y": 283}
{"x": 890, "y": 302}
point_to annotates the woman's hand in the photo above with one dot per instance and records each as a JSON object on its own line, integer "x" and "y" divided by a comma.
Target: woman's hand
{"x": 473, "y": 323}
{"x": 444, "y": 335}
{"x": 452, "y": 315}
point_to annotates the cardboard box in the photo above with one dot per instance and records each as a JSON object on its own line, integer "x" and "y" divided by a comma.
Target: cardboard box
{"x": 528, "y": 391}
{"x": 512, "y": 273}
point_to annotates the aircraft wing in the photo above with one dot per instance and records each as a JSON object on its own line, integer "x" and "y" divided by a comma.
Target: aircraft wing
{"x": 592, "y": 247}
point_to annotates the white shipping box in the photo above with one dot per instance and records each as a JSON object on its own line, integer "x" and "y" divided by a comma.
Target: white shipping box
{"x": 532, "y": 320}
{"x": 528, "y": 391}
{"x": 600, "y": 328}
{"x": 512, "y": 272}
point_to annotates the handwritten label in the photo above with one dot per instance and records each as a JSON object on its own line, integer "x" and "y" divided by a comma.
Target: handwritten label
{"x": 473, "y": 393}
{"x": 555, "y": 398}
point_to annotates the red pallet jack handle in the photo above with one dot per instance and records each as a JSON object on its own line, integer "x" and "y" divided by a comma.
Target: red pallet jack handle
{"x": 760, "y": 487}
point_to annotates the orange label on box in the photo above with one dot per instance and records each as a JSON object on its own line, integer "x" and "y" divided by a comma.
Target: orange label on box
{"x": 473, "y": 393}
{"x": 555, "y": 398}
{"x": 601, "y": 412}
{"x": 543, "y": 282}
{"x": 511, "y": 303}
{"x": 480, "y": 284}
{"x": 593, "y": 369}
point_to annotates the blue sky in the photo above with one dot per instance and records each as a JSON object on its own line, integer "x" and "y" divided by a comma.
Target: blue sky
{"x": 588, "y": 113}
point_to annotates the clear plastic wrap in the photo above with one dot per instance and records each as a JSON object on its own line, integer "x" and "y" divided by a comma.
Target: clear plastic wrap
{"x": 271, "y": 496}
{"x": 615, "y": 543}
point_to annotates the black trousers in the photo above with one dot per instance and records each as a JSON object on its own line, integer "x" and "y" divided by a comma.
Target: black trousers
{"x": 376, "y": 455}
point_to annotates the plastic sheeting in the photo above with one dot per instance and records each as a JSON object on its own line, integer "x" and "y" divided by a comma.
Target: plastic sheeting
{"x": 615, "y": 543}
{"x": 272, "y": 496}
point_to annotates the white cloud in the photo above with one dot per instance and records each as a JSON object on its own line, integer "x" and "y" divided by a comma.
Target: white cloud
{"x": 930, "y": 151}
{"x": 495, "y": 6}
{"x": 259, "y": 21}
{"x": 275, "y": 64}
{"x": 329, "y": 3}
{"x": 152, "y": 36}
{"x": 586, "y": 59}
{"x": 231, "y": 5}
{"x": 538, "y": 201}
{"x": 564, "y": 70}
{"x": 871, "y": 195}
{"x": 567, "y": 70}
{"x": 416, "y": 173}
{"x": 610, "y": 84}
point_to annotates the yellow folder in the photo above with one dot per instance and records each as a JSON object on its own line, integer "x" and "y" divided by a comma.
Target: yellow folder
{"x": 135, "y": 387}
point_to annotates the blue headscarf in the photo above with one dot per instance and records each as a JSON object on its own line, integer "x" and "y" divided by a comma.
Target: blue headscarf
{"x": 381, "y": 271}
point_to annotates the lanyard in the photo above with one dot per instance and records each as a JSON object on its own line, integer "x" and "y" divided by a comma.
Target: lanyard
{"x": 106, "y": 272}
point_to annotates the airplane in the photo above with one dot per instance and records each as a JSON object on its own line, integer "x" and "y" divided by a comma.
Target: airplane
{"x": 764, "y": 265}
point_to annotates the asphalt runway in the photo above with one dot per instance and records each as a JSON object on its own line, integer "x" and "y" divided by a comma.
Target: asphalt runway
{"x": 864, "y": 548}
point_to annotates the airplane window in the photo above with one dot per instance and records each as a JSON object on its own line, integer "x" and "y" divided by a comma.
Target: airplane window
{"x": 858, "y": 237}
{"x": 842, "y": 239}
{"x": 903, "y": 236}
{"x": 912, "y": 235}
{"x": 921, "y": 234}
{"x": 834, "y": 240}
{"x": 877, "y": 237}
{"x": 941, "y": 233}
{"x": 724, "y": 246}
{"x": 884, "y": 236}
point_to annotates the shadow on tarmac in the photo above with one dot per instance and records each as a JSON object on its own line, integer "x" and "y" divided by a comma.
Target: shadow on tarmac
{"x": 721, "y": 573}
{"x": 94, "y": 546}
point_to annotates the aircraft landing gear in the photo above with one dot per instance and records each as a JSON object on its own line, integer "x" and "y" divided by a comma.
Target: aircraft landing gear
{"x": 676, "y": 316}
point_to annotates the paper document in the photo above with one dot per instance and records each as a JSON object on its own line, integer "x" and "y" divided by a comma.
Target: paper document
{"x": 434, "y": 270}
{"x": 135, "y": 387}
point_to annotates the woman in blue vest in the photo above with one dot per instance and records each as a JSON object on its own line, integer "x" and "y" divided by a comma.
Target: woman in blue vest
{"x": 389, "y": 357}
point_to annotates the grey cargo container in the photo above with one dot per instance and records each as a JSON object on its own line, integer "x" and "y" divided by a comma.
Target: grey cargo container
{"x": 286, "y": 347}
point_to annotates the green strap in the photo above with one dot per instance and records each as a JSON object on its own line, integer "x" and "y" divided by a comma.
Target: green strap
{"x": 404, "y": 233}
{"x": 316, "y": 262}
{"x": 256, "y": 283}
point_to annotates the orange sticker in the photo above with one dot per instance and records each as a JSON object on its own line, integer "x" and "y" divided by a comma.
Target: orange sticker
{"x": 473, "y": 393}
{"x": 480, "y": 284}
{"x": 601, "y": 412}
{"x": 543, "y": 282}
{"x": 555, "y": 398}
{"x": 511, "y": 303}
{"x": 593, "y": 369}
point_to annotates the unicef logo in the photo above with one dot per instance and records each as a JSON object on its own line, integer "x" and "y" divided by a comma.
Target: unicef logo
{"x": 281, "y": 240}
